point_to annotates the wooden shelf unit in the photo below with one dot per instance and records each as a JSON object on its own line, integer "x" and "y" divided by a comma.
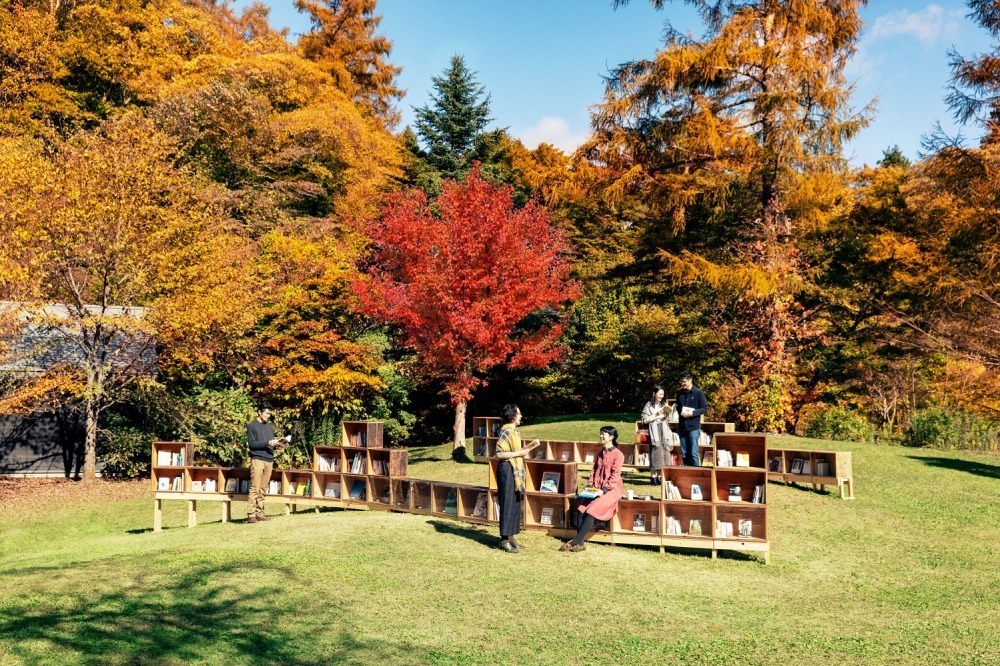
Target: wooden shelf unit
{"x": 362, "y": 434}
{"x": 485, "y": 433}
{"x": 838, "y": 463}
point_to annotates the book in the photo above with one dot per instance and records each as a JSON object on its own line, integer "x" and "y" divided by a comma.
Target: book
{"x": 274, "y": 487}
{"x": 303, "y": 489}
{"x": 806, "y": 466}
{"x": 723, "y": 529}
{"x": 358, "y": 490}
{"x": 197, "y": 486}
{"x": 211, "y": 485}
{"x": 822, "y": 467}
{"x": 244, "y": 486}
{"x": 696, "y": 492}
{"x": 178, "y": 483}
{"x": 163, "y": 458}
{"x": 746, "y": 528}
{"x": 639, "y": 522}
{"x": 775, "y": 465}
{"x": 589, "y": 458}
{"x": 163, "y": 483}
{"x": 653, "y": 526}
{"x": 694, "y": 527}
{"x": 734, "y": 492}
{"x": 758, "y": 494}
{"x": 564, "y": 456}
{"x": 723, "y": 458}
{"x": 546, "y": 517}
{"x": 231, "y": 484}
{"x": 451, "y": 503}
{"x": 332, "y": 489}
{"x": 480, "y": 510}
{"x": 588, "y": 493}
{"x": 293, "y": 487}
{"x": 797, "y": 466}
{"x": 708, "y": 460}
{"x": 550, "y": 482}
{"x": 742, "y": 459}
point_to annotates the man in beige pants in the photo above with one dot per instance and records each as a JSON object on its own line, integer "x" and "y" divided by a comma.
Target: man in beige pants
{"x": 262, "y": 443}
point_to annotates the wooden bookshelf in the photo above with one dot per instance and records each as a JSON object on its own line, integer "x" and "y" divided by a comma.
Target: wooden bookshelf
{"x": 362, "y": 434}
{"x": 485, "y": 433}
{"x": 837, "y": 466}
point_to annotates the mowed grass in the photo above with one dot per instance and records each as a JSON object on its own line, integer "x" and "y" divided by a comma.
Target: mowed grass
{"x": 905, "y": 574}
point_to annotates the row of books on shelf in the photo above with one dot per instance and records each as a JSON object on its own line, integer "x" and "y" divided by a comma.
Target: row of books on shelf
{"x": 169, "y": 458}
{"x": 724, "y": 458}
{"x": 494, "y": 430}
{"x": 359, "y": 438}
{"x": 329, "y": 463}
{"x": 358, "y": 464}
{"x": 802, "y": 466}
{"x": 723, "y": 528}
{"x": 332, "y": 490}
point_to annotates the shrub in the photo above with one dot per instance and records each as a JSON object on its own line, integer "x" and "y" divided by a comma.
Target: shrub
{"x": 840, "y": 424}
{"x": 943, "y": 428}
{"x": 125, "y": 451}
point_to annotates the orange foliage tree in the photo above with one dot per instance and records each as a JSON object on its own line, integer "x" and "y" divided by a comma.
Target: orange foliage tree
{"x": 131, "y": 248}
{"x": 470, "y": 281}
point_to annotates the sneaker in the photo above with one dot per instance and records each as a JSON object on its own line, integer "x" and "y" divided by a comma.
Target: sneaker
{"x": 579, "y": 548}
{"x": 565, "y": 547}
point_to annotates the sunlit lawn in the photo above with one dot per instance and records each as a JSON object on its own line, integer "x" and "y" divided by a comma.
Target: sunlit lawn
{"x": 905, "y": 574}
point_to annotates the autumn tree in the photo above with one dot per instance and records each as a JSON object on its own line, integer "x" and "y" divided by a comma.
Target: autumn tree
{"x": 733, "y": 141}
{"x": 120, "y": 248}
{"x": 344, "y": 43}
{"x": 470, "y": 281}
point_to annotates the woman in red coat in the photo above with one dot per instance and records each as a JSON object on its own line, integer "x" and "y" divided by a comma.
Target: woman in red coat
{"x": 607, "y": 476}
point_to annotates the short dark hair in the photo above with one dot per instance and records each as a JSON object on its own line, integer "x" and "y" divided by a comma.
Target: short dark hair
{"x": 509, "y": 413}
{"x": 686, "y": 375}
{"x": 262, "y": 406}
{"x": 613, "y": 431}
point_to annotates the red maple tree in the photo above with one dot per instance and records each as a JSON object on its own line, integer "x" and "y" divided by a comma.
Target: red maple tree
{"x": 459, "y": 277}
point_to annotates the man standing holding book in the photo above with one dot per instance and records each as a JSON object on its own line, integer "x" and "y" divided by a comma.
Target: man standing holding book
{"x": 262, "y": 443}
{"x": 691, "y": 404}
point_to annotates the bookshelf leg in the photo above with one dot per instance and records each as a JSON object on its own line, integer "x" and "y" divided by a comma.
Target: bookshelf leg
{"x": 288, "y": 508}
{"x": 157, "y": 515}
{"x": 192, "y": 513}
{"x": 715, "y": 553}
{"x": 846, "y": 488}
{"x": 227, "y": 511}
{"x": 316, "y": 509}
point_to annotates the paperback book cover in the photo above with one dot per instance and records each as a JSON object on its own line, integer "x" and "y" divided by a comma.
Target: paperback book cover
{"x": 480, "y": 510}
{"x": 451, "y": 503}
{"x": 550, "y": 482}
{"x": 639, "y": 522}
{"x": 694, "y": 528}
{"x": 332, "y": 489}
{"x": 734, "y": 492}
{"x": 231, "y": 484}
{"x": 746, "y": 528}
{"x": 696, "y": 492}
{"x": 588, "y": 493}
{"x": 358, "y": 490}
{"x": 546, "y": 517}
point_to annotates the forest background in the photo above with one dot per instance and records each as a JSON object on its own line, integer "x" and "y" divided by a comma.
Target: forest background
{"x": 181, "y": 173}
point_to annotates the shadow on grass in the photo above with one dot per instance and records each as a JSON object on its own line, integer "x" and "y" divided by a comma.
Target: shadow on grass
{"x": 218, "y": 614}
{"x": 967, "y": 466}
{"x": 472, "y": 534}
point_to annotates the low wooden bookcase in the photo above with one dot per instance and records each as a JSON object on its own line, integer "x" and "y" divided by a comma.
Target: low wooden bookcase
{"x": 816, "y": 468}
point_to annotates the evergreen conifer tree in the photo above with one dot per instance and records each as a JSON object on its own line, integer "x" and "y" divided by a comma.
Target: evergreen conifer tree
{"x": 452, "y": 126}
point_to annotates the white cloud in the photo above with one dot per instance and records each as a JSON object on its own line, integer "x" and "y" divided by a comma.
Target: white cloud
{"x": 554, "y": 131}
{"x": 929, "y": 25}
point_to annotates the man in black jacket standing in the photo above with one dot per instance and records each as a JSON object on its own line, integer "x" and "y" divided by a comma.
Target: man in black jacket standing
{"x": 262, "y": 442}
{"x": 691, "y": 404}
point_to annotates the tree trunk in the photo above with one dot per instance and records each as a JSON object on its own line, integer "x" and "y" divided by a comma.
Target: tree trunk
{"x": 459, "y": 440}
{"x": 90, "y": 444}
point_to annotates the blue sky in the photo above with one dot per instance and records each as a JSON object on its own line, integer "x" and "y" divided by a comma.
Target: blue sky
{"x": 542, "y": 61}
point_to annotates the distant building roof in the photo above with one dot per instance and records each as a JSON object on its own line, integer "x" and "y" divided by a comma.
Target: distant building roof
{"x": 50, "y": 336}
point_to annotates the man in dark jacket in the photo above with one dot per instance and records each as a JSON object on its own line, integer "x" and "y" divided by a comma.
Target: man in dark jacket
{"x": 691, "y": 404}
{"x": 262, "y": 443}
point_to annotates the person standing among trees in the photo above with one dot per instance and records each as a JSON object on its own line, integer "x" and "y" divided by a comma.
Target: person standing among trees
{"x": 510, "y": 477}
{"x": 262, "y": 443}
{"x": 654, "y": 417}
{"x": 691, "y": 404}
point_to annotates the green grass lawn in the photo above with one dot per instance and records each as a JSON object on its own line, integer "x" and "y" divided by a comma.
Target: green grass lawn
{"x": 905, "y": 574}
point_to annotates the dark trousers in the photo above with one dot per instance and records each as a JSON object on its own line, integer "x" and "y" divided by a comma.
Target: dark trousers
{"x": 509, "y": 500}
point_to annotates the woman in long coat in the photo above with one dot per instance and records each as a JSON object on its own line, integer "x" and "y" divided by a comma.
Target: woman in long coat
{"x": 654, "y": 417}
{"x": 607, "y": 477}
{"x": 510, "y": 477}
